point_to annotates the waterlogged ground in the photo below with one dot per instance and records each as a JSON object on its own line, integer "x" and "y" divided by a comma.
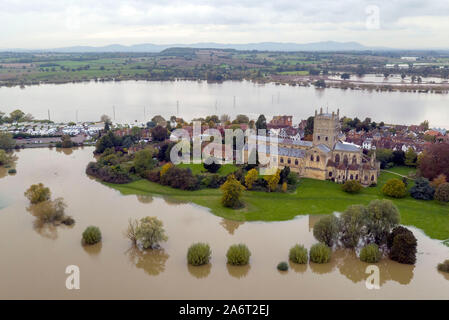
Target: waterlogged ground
{"x": 33, "y": 260}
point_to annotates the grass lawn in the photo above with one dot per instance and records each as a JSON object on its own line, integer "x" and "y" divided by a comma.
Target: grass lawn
{"x": 311, "y": 197}
{"x": 197, "y": 168}
{"x": 402, "y": 170}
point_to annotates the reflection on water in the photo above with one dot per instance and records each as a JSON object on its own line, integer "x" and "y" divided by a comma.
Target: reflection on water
{"x": 298, "y": 268}
{"x": 200, "y": 271}
{"x": 94, "y": 249}
{"x": 231, "y": 225}
{"x": 238, "y": 271}
{"x": 46, "y": 230}
{"x": 66, "y": 151}
{"x": 445, "y": 275}
{"x": 151, "y": 261}
{"x": 174, "y": 201}
{"x": 314, "y": 218}
{"x": 355, "y": 270}
{"x": 145, "y": 198}
{"x": 3, "y": 172}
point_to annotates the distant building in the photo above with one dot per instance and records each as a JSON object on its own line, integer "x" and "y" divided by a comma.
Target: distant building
{"x": 281, "y": 121}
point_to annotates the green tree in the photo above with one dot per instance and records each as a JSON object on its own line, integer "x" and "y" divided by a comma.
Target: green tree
{"x": 382, "y": 216}
{"x": 308, "y": 130}
{"x": 411, "y": 157}
{"x": 16, "y": 115}
{"x": 159, "y": 133}
{"x": 394, "y": 188}
{"x": 261, "y": 122}
{"x": 143, "y": 160}
{"x": 6, "y": 141}
{"x": 385, "y": 157}
{"x": 37, "y": 193}
{"x": 352, "y": 223}
{"x": 326, "y": 230}
{"x": 422, "y": 190}
{"x": 150, "y": 232}
{"x": 232, "y": 190}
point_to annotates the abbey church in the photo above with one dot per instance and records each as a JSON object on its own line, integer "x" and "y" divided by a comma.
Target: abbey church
{"x": 327, "y": 157}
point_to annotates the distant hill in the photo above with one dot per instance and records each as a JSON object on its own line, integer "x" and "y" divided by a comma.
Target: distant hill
{"x": 262, "y": 46}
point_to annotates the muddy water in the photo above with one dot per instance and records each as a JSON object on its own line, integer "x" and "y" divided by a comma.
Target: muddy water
{"x": 33, "y": 260}
{"x": 197, "y": 99}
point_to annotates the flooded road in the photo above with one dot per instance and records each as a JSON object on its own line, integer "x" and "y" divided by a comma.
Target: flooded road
{"x": 33, "y": 260}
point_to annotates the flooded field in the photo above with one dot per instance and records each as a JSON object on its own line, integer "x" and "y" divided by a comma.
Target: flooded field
{"x": 33, "y": 259}
{"x": 140, "y": 101}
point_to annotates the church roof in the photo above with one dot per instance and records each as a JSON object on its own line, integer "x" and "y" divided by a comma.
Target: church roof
{"x": 323, "y": 148}
{"x": 341, "y": 146}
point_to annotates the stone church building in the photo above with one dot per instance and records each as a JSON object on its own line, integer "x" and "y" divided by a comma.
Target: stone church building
{"x": 327, "y": 157}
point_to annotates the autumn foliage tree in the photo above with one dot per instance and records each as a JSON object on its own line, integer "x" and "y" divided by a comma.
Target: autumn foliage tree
{"x": 250, "y": 178}
{"x": 435, "y": 161}
{"x": 232, "y": 190}
{"x": 273, "y": 180}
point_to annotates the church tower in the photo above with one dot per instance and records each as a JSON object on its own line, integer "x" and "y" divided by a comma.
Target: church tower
{"x": 326, "y": 128}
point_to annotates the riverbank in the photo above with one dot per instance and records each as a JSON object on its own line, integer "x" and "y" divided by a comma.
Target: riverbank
{"x": 302, "y": 81}
{"x": 311, "y": 197}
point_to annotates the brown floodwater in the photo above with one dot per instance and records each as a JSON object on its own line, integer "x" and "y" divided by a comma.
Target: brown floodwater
{"x": 33, "y": 258}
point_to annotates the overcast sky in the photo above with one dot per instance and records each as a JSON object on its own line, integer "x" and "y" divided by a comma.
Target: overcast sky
{"x": 60, "y": 23}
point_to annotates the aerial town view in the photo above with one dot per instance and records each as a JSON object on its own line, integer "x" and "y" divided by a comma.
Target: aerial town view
{"x": 216, "y": 152}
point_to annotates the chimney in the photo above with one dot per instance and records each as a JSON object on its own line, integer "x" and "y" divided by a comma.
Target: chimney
{"x": 316, "y": 113}
{"x": 321, "y": 111}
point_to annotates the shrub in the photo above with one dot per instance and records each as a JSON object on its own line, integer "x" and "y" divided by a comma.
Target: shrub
{"x": 438, "y": 181}
{"x": 394, "y": 233}
{"x": 292, "y": 178}
{"x": 12, "y": 171}
{"x": 352, "y": 223}
{"x": 403, "y": 249}
{"x": 199, "y": 254}
{"x": 282, "y": 266}
{"x": 179, "y": 178}
{"x": 154, "y": 175}
{"x": 238, "y": 254}
{"x": 298, "y": 254}
{"x": 91, "y": 235}
{"x": 149, "y": 232}
{"x": 165, "y": 168}
{"x": 38, "y": 193}
{"x": 273, "y": 180}
{"x": 351, "y": 186}
{"x": 250, "y": 178}
{"x": 211, "y": 165}
{"x": 232, "y": 191}
{"x": 320, "y": 253}
{"x": 49, "y": 211}
{"x": 143, "y": 160}
{"x": 111, "y": 174}
{"x": 394, "y": 188}
{"x": 442, "y": 193}
{"x": 444, "y": 267}
{"x": 284, "y": 187}
{"x": 422, "y": 190}
{"x": 213, "y": 181}
{"x": 370, "y": 253}
{"x": 326, "y": 230}
{"x": 382, "y": 216}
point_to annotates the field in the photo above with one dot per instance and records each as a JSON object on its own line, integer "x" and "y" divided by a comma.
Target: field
{"x": 201, "y": 64}
{"x": 310, "y": 197}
